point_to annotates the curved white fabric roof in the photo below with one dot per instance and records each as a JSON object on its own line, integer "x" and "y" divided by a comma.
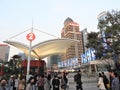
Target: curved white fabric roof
{"x": 44, "y": 49}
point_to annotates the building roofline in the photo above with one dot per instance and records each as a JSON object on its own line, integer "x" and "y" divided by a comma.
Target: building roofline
{"x": 4, "y": 45}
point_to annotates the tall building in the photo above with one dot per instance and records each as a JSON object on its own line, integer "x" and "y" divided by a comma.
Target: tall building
{"x": 4, "y": 52}
{"x": 23, "y": 56}
{"x": 102, "y": 15}
{"x": 84, "y": 36}
{"x": 71, "y": 31}
{"x": 52, "y": 62}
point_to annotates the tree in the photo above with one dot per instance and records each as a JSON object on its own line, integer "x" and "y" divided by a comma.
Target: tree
{"x": 111, "y": 26}
{"x": 94, "y": 42}
{"x": 14, "y": 63}
{"x": 92, "y": 39}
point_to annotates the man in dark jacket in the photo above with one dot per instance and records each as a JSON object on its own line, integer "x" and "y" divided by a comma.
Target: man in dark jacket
{"x": 56, "y": 83}
{"x": 78, "y": 81}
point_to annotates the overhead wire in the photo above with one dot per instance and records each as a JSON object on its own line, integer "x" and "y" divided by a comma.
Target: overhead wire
{"x": 19, "y": 34}
{"x": 45, "y": 32}
{"x": 33, "y": 29}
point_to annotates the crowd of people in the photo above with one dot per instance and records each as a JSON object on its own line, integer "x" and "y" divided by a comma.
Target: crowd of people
{"x": 45, "y": 81}
{"x": 109, "y": 83}
{"x": 57, "y": 81}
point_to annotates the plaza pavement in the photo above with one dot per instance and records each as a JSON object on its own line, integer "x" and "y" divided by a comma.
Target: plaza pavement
{"x": 89, "y": 83}
{"x": 86, "y": 86}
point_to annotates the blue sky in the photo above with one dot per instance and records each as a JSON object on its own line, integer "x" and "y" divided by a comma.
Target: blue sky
{"x": 16, "y": 16}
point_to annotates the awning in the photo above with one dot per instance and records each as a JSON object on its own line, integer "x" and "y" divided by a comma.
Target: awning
{"x": 44, "y": 49}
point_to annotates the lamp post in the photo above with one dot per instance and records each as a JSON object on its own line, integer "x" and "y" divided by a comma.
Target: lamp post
{"x": 30, "y": 37}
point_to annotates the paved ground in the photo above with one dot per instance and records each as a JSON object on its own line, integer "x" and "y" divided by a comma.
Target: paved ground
{"x": 86, "y": 86}
{"x": 88, "y": 83}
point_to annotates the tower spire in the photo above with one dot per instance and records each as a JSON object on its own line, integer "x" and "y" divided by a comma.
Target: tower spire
{"x": 32, "y": 26}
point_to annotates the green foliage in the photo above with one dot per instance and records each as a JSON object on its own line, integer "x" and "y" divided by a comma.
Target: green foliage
{"x": 110, "y": 24}
{"x": 7, "y": 70}
{"x": 13, "y": 65}
{"x": 92, "y": 40}
{"x": 16, "y": 57}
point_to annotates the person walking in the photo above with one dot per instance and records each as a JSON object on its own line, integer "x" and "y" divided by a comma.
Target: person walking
{"x": 115, "y": 85}
{"x": 31, "y": 84}
{"x": 21, "y": 84}
{"x": 49, "y": 80}
{"x": 64, "y": 81}
{"x": 105, "y": 81}
{"x": 101, "y": 85}
{"x": 3, "y": 84}
{"x": 40, "y": 82}
{"x": 56, "y": 83}
{"x": 11, "y": 83}
{"x": 67, "y": 76}
{"x": 47, "y": 85}
{"x": 78, "y": 80}
{"x": 110, "y": 78}
{"x": 16, "y": 82}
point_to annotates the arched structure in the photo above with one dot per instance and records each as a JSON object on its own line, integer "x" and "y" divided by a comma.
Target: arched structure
{"x": 46, "y": 48}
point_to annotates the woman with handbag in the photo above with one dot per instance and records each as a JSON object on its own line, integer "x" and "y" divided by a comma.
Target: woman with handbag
{"x": 100, "y": 82}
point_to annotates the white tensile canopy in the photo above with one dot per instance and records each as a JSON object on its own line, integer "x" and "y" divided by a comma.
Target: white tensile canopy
{"x": 46, "y": 48}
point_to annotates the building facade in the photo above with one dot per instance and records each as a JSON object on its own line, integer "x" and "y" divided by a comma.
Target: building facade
{"x": 24, "y": 56}
{"x": 71, "y": 31}
{"x": 52, "y": 62}
{"x": 4, "y": 52}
